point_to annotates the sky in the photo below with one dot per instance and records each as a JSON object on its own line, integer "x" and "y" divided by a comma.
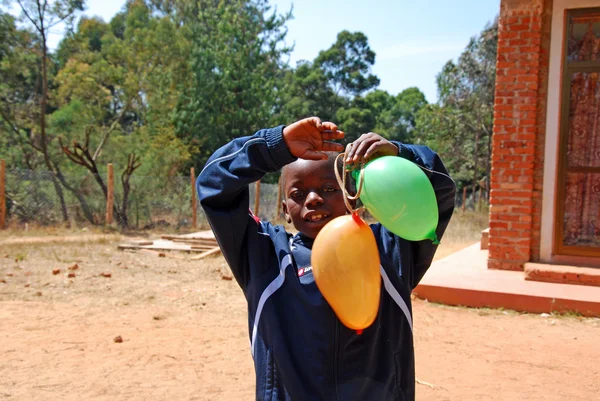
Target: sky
{"x": 412, "y": 39}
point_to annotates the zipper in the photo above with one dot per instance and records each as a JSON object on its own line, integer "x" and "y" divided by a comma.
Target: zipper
{"x": 335, "y": 358}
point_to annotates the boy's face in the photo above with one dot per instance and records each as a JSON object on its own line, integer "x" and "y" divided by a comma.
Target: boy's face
{"x": 312, "y": 196}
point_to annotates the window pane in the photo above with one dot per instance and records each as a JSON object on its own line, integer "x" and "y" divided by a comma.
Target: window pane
{"x": 584, "y": 38}
{"x": 582, "y": 210}
{"x": 584, "y": 120}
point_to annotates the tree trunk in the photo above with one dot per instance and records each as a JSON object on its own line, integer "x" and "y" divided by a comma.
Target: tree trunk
{"x": 132, "y": 165}
{"x": 475, "y": 165}
{"x": 44, "y": 143}
{"x": 87, "y": 213}
{"x": 123, "y": 220}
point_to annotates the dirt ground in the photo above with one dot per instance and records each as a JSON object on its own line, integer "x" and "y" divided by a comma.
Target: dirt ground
{"x": 184, "y": 334}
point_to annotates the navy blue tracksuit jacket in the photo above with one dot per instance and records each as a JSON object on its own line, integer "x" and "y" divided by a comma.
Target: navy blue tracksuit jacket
{"x": 301, "y": 351}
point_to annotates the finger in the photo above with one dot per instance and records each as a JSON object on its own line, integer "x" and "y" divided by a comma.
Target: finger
{"x": 350, "y": 150}
{"x": 361, "y": 148}
{"x": 354, "y": 146}
{"x": 372, "y": 149}
{"x": 332, "y": 147}
{"x": 331, "y": 135}
{"x": 313, "y": 155}
{"x": 329, "y": 126}
{"x": 315, "y": 122}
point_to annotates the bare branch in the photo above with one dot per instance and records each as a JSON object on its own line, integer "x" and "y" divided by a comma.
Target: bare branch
{"x": 41, "y": 16}
{"x": 133, "y": 162}
{"x": 107, "y": 134}
{"x": 58, "y": 21}
{"x": 77, "y": 154}
{"x": 88, "y": 133}
{"x": 9, "y": 122}
{"x": 28, "y": 16}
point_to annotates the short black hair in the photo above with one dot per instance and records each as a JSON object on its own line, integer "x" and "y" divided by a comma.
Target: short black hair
{"x": 331, "y": 156}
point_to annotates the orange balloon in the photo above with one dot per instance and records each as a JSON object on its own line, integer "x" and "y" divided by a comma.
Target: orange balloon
{"x": 345, "y": 263}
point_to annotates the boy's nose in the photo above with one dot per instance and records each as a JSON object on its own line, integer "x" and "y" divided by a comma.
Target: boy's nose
{"x": 313, "y": 198}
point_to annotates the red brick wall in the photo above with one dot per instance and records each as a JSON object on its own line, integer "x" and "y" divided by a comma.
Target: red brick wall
{"x": 519, "y": 132}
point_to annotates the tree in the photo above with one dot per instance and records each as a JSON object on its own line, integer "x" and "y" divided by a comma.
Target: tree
{"x": 42, "y": 16}
{"x": 347, "y": 64}
{"x": 236, "y": 62}
{"x": 462, "y": 121}
{"x": 333, "y": 85}
{"x": 115, "y": 92}
{"x": 378, "y": 111}
{"x": 402, "y": 118}
{"x": 306, "y": 93}
{"x": 19, "y": 93}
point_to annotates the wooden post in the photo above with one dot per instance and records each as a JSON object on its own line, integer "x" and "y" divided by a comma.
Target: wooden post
{"x": 2, "y": 194}
{"x": 479, "y": 202}
{"x": 464, "y": 202}
{"x": 257, "y": 199}
{"x": 110, "y": 194}
{"x": 194, "y": 205}
{"x": 278, "y": 215}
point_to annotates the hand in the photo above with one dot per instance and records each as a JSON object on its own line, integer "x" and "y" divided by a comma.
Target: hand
{"x": 309, "y": 138}
{"x": 370, "y": 146}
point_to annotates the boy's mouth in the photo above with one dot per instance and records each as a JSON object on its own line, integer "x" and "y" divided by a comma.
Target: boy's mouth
{"x": 315, "y": 217}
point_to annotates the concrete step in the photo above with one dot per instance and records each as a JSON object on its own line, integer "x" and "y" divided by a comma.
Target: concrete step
{"x": 562, "y": 274}
{"x": 485, "y": 238}
{"x": 464, "y": 279}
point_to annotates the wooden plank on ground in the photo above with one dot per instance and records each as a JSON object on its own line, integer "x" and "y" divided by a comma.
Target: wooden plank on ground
{"x": 142, "y": 243}
{"x": 207, "y": 253}
{"x": 204, "y": 247}
{"x": 211, "y": 242}
{"x": 207, "y": 234}
{"x": 162, "y": 245}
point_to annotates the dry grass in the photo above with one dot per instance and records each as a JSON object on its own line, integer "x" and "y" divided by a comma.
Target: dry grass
{"x": 464, "y": 230}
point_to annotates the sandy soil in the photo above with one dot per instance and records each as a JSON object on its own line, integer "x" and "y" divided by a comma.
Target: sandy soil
{"x": 184, "y": 334}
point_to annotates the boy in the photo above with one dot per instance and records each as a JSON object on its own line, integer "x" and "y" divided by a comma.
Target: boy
{"x": 301, "y": 350}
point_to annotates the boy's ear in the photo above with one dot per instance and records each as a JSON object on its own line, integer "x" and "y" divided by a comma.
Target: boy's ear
{"x": 286, "y": 213}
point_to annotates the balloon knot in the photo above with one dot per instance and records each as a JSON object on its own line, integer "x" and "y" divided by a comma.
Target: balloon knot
{"x": 359, "y": 332}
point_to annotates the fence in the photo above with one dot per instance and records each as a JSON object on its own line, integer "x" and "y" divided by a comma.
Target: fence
{"x": 477, "y": 200}
{"x": 31, "y": 197}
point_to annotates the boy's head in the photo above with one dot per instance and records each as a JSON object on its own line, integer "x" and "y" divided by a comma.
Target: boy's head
{"x": 312, "y": 196}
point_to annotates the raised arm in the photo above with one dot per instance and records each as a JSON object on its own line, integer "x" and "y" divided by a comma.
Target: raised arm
{"x": 224, "y": 194}
{"x": 223, "y": 183}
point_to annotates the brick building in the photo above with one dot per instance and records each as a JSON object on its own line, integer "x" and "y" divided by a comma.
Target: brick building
{"x": 545, "y": 182}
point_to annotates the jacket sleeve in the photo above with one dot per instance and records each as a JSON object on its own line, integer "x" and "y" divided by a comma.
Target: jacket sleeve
{"x": 224, "y": 194}
{"x": 445, "y": 191}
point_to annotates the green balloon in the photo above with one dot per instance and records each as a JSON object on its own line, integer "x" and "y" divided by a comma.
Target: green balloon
{"x": 399, "y": 195}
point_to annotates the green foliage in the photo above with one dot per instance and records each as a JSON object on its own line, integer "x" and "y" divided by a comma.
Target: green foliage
{"x": 392, "y": 117}
{"x": 19, "y": 93}
{"x": 460, "y": 125}
{"x": 170, "y": 81}
{"x": 125, "y": 85}
{"x": 236, "y": 61}
{"x": 307, "y": 93}
{"x": 347, "y": 64}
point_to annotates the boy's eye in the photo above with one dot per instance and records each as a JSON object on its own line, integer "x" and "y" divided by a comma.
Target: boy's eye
{"x": 296, "y": 194}
{"x": 329, "y": 189}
